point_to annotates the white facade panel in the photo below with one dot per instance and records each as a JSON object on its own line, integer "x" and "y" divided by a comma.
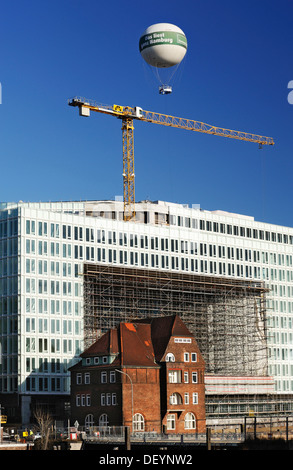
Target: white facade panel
{"x": 55, "y": 239}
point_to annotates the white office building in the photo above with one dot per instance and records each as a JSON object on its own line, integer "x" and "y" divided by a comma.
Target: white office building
{"x": 45, "y": 246}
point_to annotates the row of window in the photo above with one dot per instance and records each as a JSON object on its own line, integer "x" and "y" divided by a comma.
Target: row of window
{"x": 106, "y": 399}
{"x": 54, "y": 345}
{"x": 247, "y": 232}
{"x": 110, "y": 399}
{"x": 176, "y": 398}
{"x": 179, "y": 376}
{"x": 187, "y": 357}
{"x": 101, "y": 236}
{"x": 105, "y": 376}
{"x": 78, "y": 232}
{"x": 139, "y": 424}
{"x": 33, "y": 305}
{"x": 174, "y": 376}
{"x": 55, "y": 287}
{"x": 41, "y": 325}
{"x": 46, "y": 384}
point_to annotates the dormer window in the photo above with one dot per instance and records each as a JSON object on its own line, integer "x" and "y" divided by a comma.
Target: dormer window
{"x": 170, "y": 357}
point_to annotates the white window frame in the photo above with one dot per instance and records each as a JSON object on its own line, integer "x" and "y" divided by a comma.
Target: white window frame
{"x": 112, "y": 376}
{"x": 194, "y": 357}
{"x": 189, "y": 421}
{"x": 194, "y": 377}
{"x": 195, "y": 398}
{"x": 186, "y": 357}
{"x": 171, "y": 422}
{"x": 138, "y": 422}
{"x": 174, "y": 376}
{"x": 170, "y": 357}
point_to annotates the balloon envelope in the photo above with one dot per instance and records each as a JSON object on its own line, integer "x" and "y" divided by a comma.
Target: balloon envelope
{"x": 163, "y": 45}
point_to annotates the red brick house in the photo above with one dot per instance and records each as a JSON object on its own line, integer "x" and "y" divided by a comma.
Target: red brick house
{"x": 147, "y": 374}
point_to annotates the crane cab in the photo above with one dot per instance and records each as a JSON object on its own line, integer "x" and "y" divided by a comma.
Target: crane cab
{"x": 138, "y": 112}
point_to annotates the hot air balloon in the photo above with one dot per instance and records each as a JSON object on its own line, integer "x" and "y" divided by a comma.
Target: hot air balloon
{"x": 163, "y": 46}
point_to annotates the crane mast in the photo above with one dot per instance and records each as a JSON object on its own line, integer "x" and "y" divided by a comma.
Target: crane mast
{"x": 127, "y": 114}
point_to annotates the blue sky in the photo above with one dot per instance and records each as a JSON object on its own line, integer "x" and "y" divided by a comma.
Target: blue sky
{"x": 235, "y": 75}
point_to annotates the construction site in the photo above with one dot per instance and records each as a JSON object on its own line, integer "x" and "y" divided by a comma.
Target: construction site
{"x": 227, "y": 318}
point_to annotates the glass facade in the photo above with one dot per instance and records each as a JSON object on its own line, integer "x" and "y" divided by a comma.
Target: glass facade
{"x": 42, "y": 250}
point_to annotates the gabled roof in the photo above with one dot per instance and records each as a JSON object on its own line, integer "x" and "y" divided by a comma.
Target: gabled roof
{"x": 136, "y": 345}
{"x": 162, "y": 328}
{"x": 106, "y": 344}
{"x": 140, "y": 343}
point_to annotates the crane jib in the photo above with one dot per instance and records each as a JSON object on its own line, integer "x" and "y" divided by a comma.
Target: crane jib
{"x": 128, "y": 113}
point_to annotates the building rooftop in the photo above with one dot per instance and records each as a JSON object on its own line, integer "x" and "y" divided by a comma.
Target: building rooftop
{"x": 142, "y": 342}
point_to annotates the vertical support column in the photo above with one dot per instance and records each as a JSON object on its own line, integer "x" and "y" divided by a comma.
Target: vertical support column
{"x": 208, "y": 439}
{"x": 128, "y": 168}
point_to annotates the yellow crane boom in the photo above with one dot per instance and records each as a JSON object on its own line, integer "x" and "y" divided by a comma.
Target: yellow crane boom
{"x": 127, "y": 114}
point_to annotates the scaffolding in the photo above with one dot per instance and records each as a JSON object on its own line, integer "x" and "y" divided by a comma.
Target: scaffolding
{"x": 226, "y": 316}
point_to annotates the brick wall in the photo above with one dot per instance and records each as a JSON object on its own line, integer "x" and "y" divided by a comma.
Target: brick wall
{"x": 146, "y": 397}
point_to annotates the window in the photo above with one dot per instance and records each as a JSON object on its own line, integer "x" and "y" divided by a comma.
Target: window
{"x": 189, "y": 421}
{"x": 112, "y": 376}
{"x": 87, "y": 378}
{"x": 174, "y": 376}
{"x": 138, "y": 422}
{"x": 193, "y": 357}
{"x": 175, "y": 399}
{"x": 195, "y": 398}
{"x": 186, "y": 377}
{"x": 171, "y": 422}
{"x": 170, "y": 357}
{"x": 186, "y": 357}
{"x": 103, "y": 377}
{"x": 78, "y": 379}
{"x": 194, "y": 377}
{"x": 89, "y": 420}
{"x": 104, "y": 420}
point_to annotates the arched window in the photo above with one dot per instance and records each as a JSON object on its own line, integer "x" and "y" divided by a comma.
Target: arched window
{"x": 89, "y": 420}
{"x": 138, "y": 422}
{"x": 104, "y": 420}
{"x": 170, "y": 357}
{"x": 189, "y": 421}
{"x": 176, "y": 399}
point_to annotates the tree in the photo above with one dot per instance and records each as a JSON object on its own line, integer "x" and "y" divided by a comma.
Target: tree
{"x": 44, "y": 426}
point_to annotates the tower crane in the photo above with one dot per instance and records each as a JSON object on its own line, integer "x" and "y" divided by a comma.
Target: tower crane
{"x": 127, "y": 114}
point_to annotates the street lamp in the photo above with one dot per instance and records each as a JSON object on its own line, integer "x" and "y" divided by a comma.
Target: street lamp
{"x": 121, "y": 372}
